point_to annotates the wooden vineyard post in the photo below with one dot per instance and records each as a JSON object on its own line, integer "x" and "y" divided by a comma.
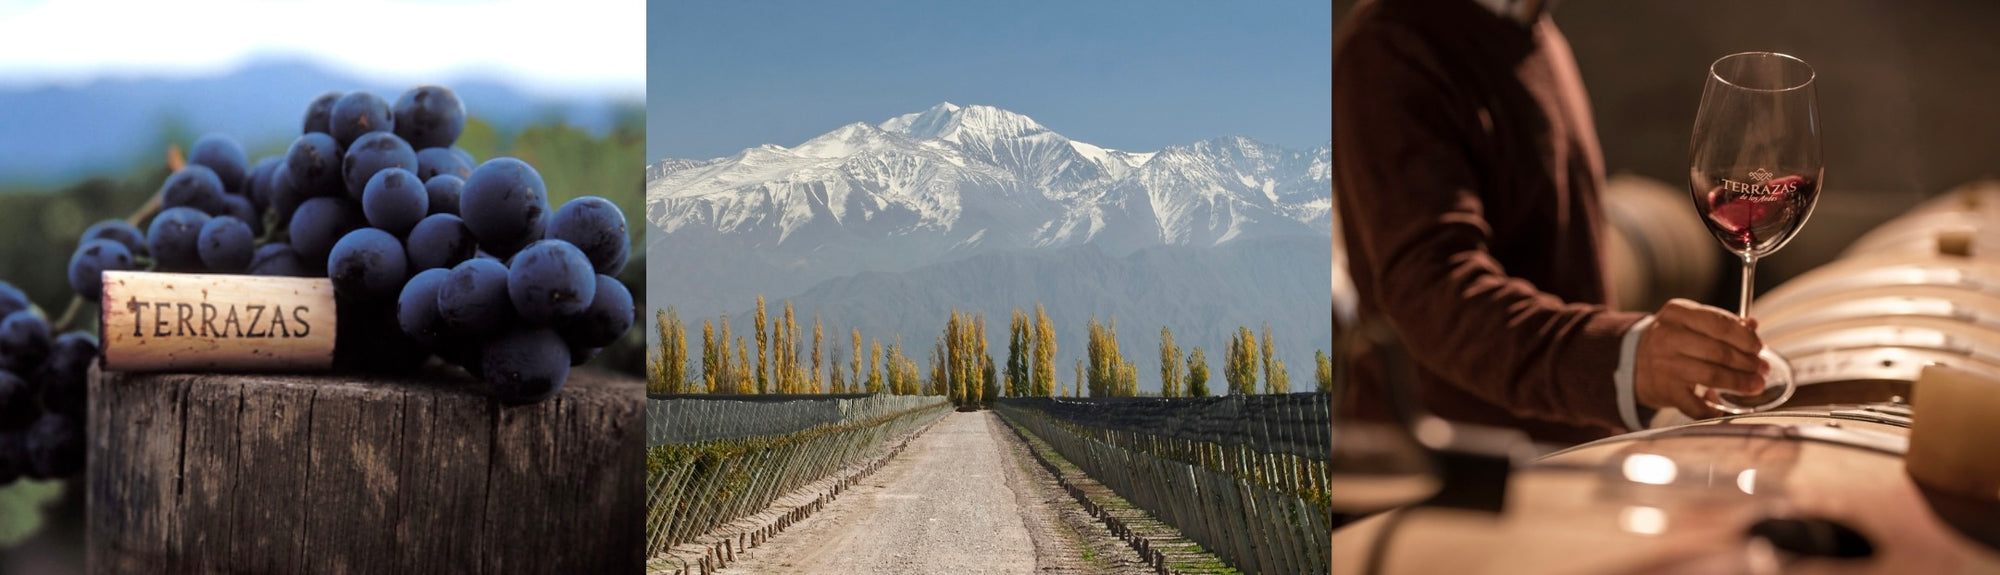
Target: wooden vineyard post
{"x": 200, "y": 473}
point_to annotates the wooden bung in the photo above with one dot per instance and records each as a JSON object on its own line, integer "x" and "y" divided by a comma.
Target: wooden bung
{"x": 201, "y": 322}
{"x": 1948, "y": 449}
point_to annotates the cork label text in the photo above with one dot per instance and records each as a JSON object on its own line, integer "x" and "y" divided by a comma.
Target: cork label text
{"x": 159, "y": 319}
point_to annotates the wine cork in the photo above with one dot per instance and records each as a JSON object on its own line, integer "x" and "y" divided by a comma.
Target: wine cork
{"x": 201, "y": 322}
{"x": 1948, "y": 439}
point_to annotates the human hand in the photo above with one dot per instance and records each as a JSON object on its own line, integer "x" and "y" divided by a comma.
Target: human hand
{"x": 1692, "y": 344}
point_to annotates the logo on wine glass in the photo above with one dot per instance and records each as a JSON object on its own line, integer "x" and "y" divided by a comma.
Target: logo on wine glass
{"x": 1763, "y": 186}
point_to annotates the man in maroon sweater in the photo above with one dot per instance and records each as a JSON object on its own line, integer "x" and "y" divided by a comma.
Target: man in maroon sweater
{"x": 1469, "y": 172}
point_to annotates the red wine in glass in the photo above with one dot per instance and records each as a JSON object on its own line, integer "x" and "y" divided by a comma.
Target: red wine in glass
{"x": 1753, "y": 216}
{"x": 1754, "y": 174}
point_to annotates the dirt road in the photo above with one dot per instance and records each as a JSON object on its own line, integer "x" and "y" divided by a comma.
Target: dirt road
{"x": 959, "y": 501}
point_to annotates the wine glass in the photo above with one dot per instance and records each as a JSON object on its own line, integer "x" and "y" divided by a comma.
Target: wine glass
{"x": 1754, "y": 173}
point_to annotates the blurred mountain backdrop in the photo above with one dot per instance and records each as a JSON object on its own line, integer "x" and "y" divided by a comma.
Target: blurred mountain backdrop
{"x": 55, "y": 134}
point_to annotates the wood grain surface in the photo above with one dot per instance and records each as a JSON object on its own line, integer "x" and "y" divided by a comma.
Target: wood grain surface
{"x": 201, "y": 473}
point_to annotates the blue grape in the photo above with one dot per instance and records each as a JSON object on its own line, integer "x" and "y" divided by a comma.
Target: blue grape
{"x": 417, "y": 307}
{"x": 195, "y": 187}
{"x": 284, "y": 198}
{"x": 444, "y": 190}
{"x": 17, "y": 402}
{"x": 55, "y": 445}
{"x": 64, "y": 377}
{"x": 174, "y": 239}
{"x": 434, "y": 162}
{"x": 119, "y": 231}
{"x": 240, "y": 208}
{"x": 91, "y": 260}
{"x": 524, "y": 365}
{"x": 368, "y": 264}
{"x": 280, "y": 260}
{"x": 474, "y": 297}
{"x": 258, "y": 186}
{"x": 550, "y": 281}
{"x": 464, "y": 157}
{"x": 319, "y": 113}
{"x": 356, "y": 114}
{"x": 429, "y": 116}
{"x": 374, "y": 152}
{"x": 596, "y": 226}
{"x": 439, "y": 241}
{"x": 609, "y": 316}
{"x": 225, "y": 156}
{"x": 321, "y": 222}
{"x": 24, "y": 342}
{"x": 226, "y": 245}
{"x": 314, "y": 164}
{"x": 394, "y": 201}
{"x": 12, "y": 299}
{"x": 505, "y": 205}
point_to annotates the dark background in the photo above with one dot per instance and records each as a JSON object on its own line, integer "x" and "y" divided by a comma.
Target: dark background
{"x": 1907, "y": 94}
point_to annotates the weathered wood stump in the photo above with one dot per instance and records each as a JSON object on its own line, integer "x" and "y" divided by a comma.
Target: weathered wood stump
{"x": 353, "y": 474}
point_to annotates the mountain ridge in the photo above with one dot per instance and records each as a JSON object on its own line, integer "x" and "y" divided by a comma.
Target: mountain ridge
{"x": 58, "y": 133}
{"x": 888, "y": 225}
{"x": 1045, "y": 190}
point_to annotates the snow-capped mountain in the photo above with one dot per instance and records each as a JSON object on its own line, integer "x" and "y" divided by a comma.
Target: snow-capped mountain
{"x": 888, "y": 227}
{"x": 958, "y": 180}
{"x": 950, "y": 183}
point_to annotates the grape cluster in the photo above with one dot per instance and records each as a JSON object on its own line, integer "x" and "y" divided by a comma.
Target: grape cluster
{"x": 42, "y": 383}
{"x": 428, "y": 251}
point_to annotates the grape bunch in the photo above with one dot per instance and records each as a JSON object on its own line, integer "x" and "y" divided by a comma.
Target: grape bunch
{"x": 429, "y": 252}
{"x": 42, "y": 383}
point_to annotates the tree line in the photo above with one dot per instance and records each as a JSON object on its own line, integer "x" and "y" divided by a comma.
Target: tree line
{"x": 775, "y": 358}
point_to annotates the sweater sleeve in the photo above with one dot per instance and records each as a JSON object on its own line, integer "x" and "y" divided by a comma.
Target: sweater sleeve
{"x": 1410, "y": 189}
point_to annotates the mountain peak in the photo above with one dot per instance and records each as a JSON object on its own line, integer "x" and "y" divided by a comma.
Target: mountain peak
{"x": 842, "y": 142}
{"x": 955, "y": 180}
{"x": 954, "y": 123}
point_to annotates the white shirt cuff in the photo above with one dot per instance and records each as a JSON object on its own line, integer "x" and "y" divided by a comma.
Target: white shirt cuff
{"x": 1628, "y": 350}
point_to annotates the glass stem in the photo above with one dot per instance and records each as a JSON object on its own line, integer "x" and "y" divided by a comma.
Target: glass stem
{"x": 1749, "y": 276}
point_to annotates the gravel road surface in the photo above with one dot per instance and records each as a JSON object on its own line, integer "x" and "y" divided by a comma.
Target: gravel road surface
{"x": 947, "y": 506}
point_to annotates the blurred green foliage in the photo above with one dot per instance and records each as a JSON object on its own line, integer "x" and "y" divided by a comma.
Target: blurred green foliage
{"x": 39, "y": 227}
{"x": 21, "y": 507}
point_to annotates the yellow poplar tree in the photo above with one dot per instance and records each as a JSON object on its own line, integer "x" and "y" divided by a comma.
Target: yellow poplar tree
{"x": 669, "y": 373}
{"x": 874, "y": 366}
{"x": 1271, "y": 383}
{"x": 744, "y": 382}
{"x": 708, "y": 353}
{"x": 1045, "y": 354}
{"x": 763, "y": 349}
{"x": 1170, "y": 364}
{"x": 1197, "y": 373}
{"x": 816, "y": 377}
{"x": 725, "y": 375}
{"x": 1322, "y": 372}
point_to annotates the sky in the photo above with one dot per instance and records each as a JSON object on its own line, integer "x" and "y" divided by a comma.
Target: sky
{"x": 1130, "y": 74}
{"x": 571, "y": 48}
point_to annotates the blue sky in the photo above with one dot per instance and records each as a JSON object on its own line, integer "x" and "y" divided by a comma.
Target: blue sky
{"x": 569, "y": 48}
{"x": 1133, "y": 75}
